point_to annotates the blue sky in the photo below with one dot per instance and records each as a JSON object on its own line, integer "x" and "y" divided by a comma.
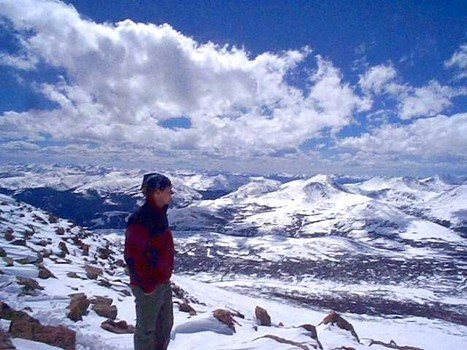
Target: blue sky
{"x": 367, "y": 87}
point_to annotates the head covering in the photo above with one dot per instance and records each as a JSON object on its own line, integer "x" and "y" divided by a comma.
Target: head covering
{"x": 154, "y": 181}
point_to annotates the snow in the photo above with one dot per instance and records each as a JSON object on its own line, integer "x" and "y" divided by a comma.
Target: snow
{"x": 308, "y": 221}
{"x": 24, "y": 344}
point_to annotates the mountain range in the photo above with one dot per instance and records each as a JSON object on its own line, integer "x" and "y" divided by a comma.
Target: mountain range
{"x": 368, "y": 247}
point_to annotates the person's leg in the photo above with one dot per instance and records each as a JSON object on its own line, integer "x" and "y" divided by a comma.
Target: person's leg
{"x": 146, "y": 315}
{"x": 165, "y": 318}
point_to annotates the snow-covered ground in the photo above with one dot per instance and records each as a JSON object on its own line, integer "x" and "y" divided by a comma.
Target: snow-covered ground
{"x": 43, "y": 233}
{"x": 389, "y": 254}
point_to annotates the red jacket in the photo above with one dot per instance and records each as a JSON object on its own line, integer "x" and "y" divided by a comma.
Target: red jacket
{"x": 149, "y": 248}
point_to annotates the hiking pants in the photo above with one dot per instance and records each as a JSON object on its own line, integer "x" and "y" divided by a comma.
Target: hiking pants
{"x": 154, "y": 318}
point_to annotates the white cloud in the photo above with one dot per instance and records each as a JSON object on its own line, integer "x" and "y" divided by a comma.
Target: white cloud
{"x": 123, "y": 79}
{"x": 412, "y": 102}
{"x": 20, "y": 146}
{"x": 458, "y": 61}
{"x": 21, "y": 62}
{"x": 425, "y": 101}
{"x": 377, "y": 78}
{"x": 429, "y": 138}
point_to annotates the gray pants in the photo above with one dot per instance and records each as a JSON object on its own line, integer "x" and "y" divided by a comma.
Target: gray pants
{"x": 154, "y": 318}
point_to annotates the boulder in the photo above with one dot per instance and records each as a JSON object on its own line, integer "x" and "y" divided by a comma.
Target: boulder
{"x": 120, "y": 327}
{"x": 225, "y": 317}
{"x": 335, "y": 319}
{"x": 92, "y": 272}
{"x": 78, "y": 307}
{"x": 19, "y": 242}
{"x": 310, "y": 328}
{"x": 27, "y": 327}
{"x": 104, "y": 253}
{"x": 52, "y": 218}
{"x": 392, "y": 345}
{"x": 101, "y": 300}
{"x": 9, "y": 236}
{"x": 107, "y": 311}
{"x": 120, "y": 263}
{"x": 29, "y": 284}
{"x": 59, "y": 336}
{"x": 24, "y": 326}
{"x": 262, "y": 316}
{"x": 185, "y": 307}
{"x": 313, "y": 333}
{"x": 104, "y": 308}
{"x": 285, "y": 341}
{"x": 63, "y": 248}
{"x": 5, "y": 342}
{"x": 43, "y": 243}
{"x": 4, "y": 310}
{"x": 60, "y": 231}
{"x": 8, "y": 261}
{"x": 85, "y": 248}
{"x": 105, "y": 283}
{"x": 72, "y": 275}
{"x": 45, "y": 273}
{"x": 28, "y": 234}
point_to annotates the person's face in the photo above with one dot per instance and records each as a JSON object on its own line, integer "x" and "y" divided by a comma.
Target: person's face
{"x": 163, "y": 197}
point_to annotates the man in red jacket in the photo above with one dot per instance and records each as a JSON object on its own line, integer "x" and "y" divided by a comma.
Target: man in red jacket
{"x": 149, "y": 254}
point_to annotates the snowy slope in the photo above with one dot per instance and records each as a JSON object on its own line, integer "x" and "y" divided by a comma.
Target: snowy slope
{"x": 202, "y": 331}
{"x": 450, "y": 205}
{"x": 104, "y": 196}
{"x": 431, "y": 198}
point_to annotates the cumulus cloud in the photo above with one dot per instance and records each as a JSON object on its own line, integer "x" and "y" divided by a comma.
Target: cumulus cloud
{"x": 377, "y": 78}
{"x": 427, "y": 138}
{"x": 124, "y": 80}
{"x": 412, "y": 102}
{"x": 458, "y": 61}
{"x": 425, "y": 101}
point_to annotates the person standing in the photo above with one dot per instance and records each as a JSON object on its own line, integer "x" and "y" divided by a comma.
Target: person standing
{"x": 149, "y": 255}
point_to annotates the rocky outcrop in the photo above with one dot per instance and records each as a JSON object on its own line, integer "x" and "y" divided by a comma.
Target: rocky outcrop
{"x": 262, "y": 316}
{"x": 72, "y": 275}
{"x": 185, "y": 307}
{"x": 104, "y": 308}
{"x": 78, "y": 307}
{"x": 9, "y": 234}
{"x": 225, "y": 316}
{"x": 313, "y": 333}
{"x": 5, "y": 342}
{"x": 392, "y": 345}
{"x": 120, "y": 327}
{"x": 8, "y": 261}
{"x": 104, "y": 253}
{"x": 183, "y": 295}
{"x": 335, "y": 319}
{"x": 92, "y": 272}
{"x": 26, "y": 327}
{"x": 45, "y": 273}
{"x": 63, "y": 249}
{"x": 80, "y": 244}
{"x": 284, "y": 341}
{"x": 60, "y": 231}
{"x": 19, "y": 242}
{"x": 29, "y": 285}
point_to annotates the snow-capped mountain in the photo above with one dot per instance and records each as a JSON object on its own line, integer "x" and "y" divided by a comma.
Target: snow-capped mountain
{"x": 99, "y": 197}
{"x": 70, "y": 283}
{"x": 313, "y": 231}
{"x": 432, "y": 199}
{"x": 292, "y": 234}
